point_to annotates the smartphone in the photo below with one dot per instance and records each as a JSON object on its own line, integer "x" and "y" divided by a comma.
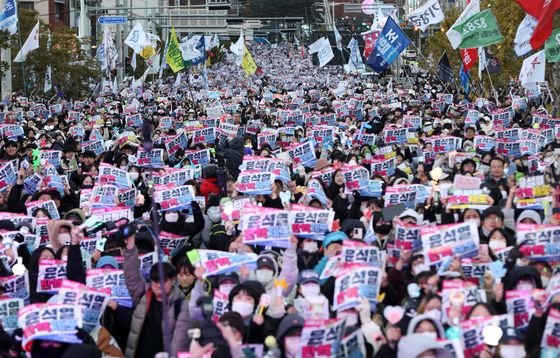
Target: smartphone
{"x": 358, "y": 233}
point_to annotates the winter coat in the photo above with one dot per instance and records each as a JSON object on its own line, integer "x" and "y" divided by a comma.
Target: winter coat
{"x": 141, "y": 297}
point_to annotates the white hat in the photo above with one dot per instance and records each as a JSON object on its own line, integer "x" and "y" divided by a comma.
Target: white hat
{"x": 412, "y": 214}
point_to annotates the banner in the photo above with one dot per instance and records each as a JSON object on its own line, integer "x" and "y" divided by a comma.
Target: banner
{"x": 428, "y": 14}
{"x": 219, "y": 262}
{"x": 177, "y": 198}
{"x": 91, "y": 301}
{"x": 443, "y": 241}
{"x": 265, "y": 226}
{"x": 8, "y": 18}
{"x": 354, "y": 283}
{"x": 49, "y": 322}
{"x": 391, "y": 42}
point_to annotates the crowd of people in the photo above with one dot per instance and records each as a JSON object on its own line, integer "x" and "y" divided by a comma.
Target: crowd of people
{"x": 297, "y": 212}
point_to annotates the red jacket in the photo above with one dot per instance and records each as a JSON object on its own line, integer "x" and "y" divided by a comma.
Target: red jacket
{"x": 209, "y": 186}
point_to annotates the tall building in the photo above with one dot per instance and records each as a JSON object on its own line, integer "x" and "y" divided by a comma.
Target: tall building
{"x": 55, "y": 13}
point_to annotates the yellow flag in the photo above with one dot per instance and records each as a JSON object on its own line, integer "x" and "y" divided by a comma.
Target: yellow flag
{"x": 174, "y": 57}
{"x": 147, "y": 52}
{"x": 247, "y": 62}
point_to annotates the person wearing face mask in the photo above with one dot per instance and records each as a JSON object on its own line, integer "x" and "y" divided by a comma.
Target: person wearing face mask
{"x": 212, "y": 225}
{"x": 244, "y": 299}
{"x": 418, "y": 345}
{"x": 288, "y": 335}
{"x": 512, "y": 344}
{"x": 332, "y": 245}
{"x": 427, "y": 325}
{"x": 175, "y": 222}
{"x": 268, "y": 270}
{"x": 308, "y": 254}
{"x": 310, "y": 303}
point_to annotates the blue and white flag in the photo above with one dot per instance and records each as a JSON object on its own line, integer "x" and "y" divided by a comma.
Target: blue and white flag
{"x": 465, "y": 79}
{"x": 390, "y": 43}
{"x": 8, "y": 18}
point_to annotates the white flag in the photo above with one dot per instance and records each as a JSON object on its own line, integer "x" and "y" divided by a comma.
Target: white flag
{"x": 8, "y": 18}
{"x": 315, "y": 46}
{"x": 428, "y": 14}
{"x": 137, "y": 38}
{"x": 296, "y": 41}
{"x": 481, "y": 61}
{"x": 215, "y": 41}
{"x": 48, "y": 80}
{"x": 32, "y": 43}
{"x": 237, "y": 48}
{"x": 455, "y": 37}
{"x": 115, "y": 86}
{"x": 522, "y": 42}
{"x": 177, "y": 80}
{"x": 338, "y": 39}
{"x": 533, "y": 70}
{"x": 355, "y": 61}
{"x": 325, "y": 53}
{"x": 133, "y": 62}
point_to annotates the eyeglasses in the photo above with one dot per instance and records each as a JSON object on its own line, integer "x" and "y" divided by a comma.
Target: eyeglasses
{"x": 494, "y": 219}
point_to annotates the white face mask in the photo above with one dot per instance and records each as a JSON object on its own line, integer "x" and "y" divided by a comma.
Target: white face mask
{"x": 510, "y": 351}
{"x": 435, "y": 314}
{"x": 134, "y": 176}
{"x": 477, "y": 221}
{"x": 172, "y": 217}
{"x": 432, "y": 335}
{"x": 214, "y": 214}
{"x": 504, "y": 194}
{"x": 352, "y": 162}
{"x": 264, "y": 276}
{"x": 351, "y": 318}
{"x": 416, "y": 269}
{"x": 524, "y": 286}
{"x": 310, "y": 247}
{"x": 124, "y": 167}
{"x": 310, "y": 290}
{"x": 292, "y": 344}
{"x": 245, "y": 309}
{"x": 226, "y": 288}
{"x": 496, "y": 244}
{"x": 545, "y": 280}
{"x": 64, "y": 238}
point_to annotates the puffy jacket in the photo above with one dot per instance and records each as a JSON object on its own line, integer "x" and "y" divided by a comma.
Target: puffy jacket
{"x": 141, "y": 297}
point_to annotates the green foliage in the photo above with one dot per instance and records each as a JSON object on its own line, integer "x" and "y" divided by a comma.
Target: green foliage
{"x": 72, "y": 70}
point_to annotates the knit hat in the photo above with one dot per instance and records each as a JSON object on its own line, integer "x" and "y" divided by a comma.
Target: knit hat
{"x": 531, "y": 215}
{"x": 336, "y": 236}
{"x": 424, "y": 317}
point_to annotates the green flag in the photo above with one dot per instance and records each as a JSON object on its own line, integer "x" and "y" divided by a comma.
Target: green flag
{"x": 552, "y": 47}
{"x": 174, "y": 57}
{"x": 479, "y": 30}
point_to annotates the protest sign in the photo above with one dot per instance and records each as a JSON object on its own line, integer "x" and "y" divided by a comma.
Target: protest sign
{"x": 52, "y": 157}
{"x": 174, "y": 177}
{"x": 152, "y": 158}
{"x": 255, "y": 182}
{"x": 15, "y": 286}
{"x": 111, "y": 279}
{"x": 265, "y": 226}
{"x": 198, "y": 157}
{"x": 303, "y": 154}
{"x": 49, "y": 322}
{"x": 520, "y": 304}
{"x": 174, "y": 198}
{"x": 395, "y": 195}
{"x": 354, "y": 252}
{"x": 384, "y": 167}
{"x": 218, "y": 262}
{"x": 310, "y": 223}
{"x": 472, "y": 339}
{"x": 175, "y": 144}
{"x": 92, "y": 301}
{"x": 103, "y": 196}
{"x": 394, "y": 135}
{"x": 551, "y": 336}
{"x": 109, "y": 174}
{"x": 460, "y": 294}
{"x": 50, "y": 276}
{"x": 354, "y": 283}
{"x": 9, "y": 310}
{"x": 113, "y": 214}
{"x": 468, "y": 198}
{"x": 8, "y": 175}
{"x": 442, "y": 241}
{"x": 48, "y": 205}
{"x": 220, "y": 303}
{"x": 170, "y": 241}
{"x": 268, "y": 165}
{"x": 134, "y": 120}
{"x": 322, "y": 338}
{"x": 407, "y": 236}
{"x": 204, "y": 135}
{"x": 355, "y": 178}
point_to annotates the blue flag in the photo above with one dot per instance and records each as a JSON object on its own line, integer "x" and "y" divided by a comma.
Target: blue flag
{"x": 390, "y": 43}
{"x": 465, "y": 79}
{"x": 201, "y": 46}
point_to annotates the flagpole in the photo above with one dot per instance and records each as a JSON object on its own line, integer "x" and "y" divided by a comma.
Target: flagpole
{"x": 494, "y": 93}
{"x": 22, "y": 61}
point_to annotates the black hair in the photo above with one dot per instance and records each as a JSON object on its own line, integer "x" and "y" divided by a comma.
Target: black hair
{"x": 169, "y": 272}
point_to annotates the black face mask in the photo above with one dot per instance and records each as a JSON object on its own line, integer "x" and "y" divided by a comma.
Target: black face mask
{"x": 87, "y": 186}
{"x": 383, "y": 229}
